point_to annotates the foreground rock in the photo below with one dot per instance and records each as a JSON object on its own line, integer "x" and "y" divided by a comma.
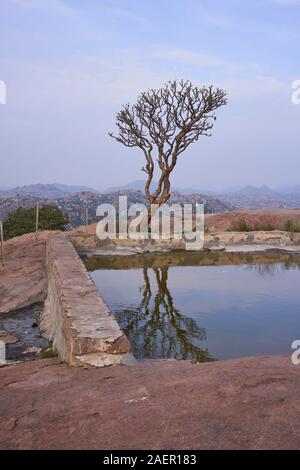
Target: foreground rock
{"x": 7, "y": 338}
{"x": 23, "y": 277}
{"x": 241, "y": 404}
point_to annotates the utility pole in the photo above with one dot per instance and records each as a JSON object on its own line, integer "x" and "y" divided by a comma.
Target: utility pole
{"x": 37, "y": 220}
{"x": 1, "y": 242}
{"x": 87, "y": 218}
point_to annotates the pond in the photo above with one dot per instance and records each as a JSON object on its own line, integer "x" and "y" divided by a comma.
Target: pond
{"x": 203, "y": 306}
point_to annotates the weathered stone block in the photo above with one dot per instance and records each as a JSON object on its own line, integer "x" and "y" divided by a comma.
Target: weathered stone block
{"x": 75, "y": 317}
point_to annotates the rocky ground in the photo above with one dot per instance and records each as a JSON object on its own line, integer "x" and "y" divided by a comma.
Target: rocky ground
{"x": 23, "y": 288}
{"x": 250, "y": 403}
{"x": 239, "y": 404}
{"x": 22, "y": 279}
{"x": 259, "y": 219}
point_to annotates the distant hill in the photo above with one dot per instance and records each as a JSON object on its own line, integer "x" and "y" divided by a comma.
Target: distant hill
{"x": 288, "y": 189}
{"x": 56, "y": 190}
{"x": 75, "y": 199}
{"x": 75, "y": 205}
{"x": 248, "y": 190}
{"x": 252, "y": 191}
{"x": 47, "y": 191}
{"x": 262, "y": 191}
{"x": 262, "y": 197}
{"x": 139, "y": 185}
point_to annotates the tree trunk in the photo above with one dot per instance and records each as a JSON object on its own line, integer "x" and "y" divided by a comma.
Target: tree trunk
{"x": 155, "y": 203}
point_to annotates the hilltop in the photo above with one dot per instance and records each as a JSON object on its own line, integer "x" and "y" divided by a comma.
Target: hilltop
{"x": 74, "y": 200}
{"x": 45, "y": 191}
{"x": 75, "y": 205}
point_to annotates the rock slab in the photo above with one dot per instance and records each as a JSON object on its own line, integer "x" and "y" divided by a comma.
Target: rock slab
{"x": 250, "y": 403}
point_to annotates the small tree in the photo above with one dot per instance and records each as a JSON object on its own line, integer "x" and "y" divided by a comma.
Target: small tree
{"x": 291, "y": 226}
{"x": 23, "y": 220}
{"x": 163, "y": 123}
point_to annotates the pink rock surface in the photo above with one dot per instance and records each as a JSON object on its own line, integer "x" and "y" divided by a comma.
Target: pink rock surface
{"x": 23, "y": 278}
{"x": 250, "y": 403}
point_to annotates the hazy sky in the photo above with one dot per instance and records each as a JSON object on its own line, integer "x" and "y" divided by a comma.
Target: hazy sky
{"x": 69, "y": 65}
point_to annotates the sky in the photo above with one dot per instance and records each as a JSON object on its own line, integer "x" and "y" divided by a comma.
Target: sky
{"x": 70, "y": 65}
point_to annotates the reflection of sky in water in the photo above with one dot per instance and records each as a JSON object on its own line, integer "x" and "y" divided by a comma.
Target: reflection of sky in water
{"x": 245, "y": 310}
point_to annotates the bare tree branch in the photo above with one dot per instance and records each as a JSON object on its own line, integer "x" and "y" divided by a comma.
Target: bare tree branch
{"x": 164, "y": 123}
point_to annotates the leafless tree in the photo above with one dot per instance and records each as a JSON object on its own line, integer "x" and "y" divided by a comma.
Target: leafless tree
{"x": 163, "y": 123}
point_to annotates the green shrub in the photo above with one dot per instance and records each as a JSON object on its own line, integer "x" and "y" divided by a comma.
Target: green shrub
{"x": 23, "y": 220}
{"x": 47, "y": 353}
{"x": 241, "y": 225}
{"x": 291, "y": 226}
{"x": 268, "y": 227}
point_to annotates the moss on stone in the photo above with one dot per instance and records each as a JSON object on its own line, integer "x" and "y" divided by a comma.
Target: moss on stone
{"x": 47, "y": 353}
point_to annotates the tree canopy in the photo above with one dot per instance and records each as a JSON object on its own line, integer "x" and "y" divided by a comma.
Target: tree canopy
{"x": 163, "y": 123}
{"x": 23, "y": 220}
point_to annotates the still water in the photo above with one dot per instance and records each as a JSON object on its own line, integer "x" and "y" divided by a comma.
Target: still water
{"x": 201, "y": 307}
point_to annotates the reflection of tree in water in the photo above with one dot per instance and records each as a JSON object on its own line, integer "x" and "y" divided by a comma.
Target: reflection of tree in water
{"x": 291, "y": 263}
{"x": 267, "y": 269}
{"x": 270, "y": 269}
{"x": 156, "y": 328}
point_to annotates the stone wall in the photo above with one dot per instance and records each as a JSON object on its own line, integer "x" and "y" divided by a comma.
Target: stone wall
{"x": 85, "y": 243}
{"x": 75, "y": 317}
{"x": 274, "y": 238}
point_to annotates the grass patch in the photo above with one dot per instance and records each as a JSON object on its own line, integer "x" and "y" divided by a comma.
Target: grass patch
{"x": 291, "y": 226}
{"x": 265, "y": 225}
{"x": 47, "y": 353}
{"x": 242, "y": 225}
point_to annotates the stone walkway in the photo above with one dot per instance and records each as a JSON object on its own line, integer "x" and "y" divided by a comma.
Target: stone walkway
{"x": 251, "y": 403}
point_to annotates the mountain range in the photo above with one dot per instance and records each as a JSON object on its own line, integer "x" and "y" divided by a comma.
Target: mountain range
{"x": 247, "y": 190}
{"x": 239, "y": 198}
{"x": 139, "y": 185}
{"x": 78, "y": 205}
{"x": 54, "y": 190}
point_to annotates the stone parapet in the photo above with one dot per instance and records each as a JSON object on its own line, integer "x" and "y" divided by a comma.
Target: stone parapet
{"x": 229, "y": 241}
{"x": 75, "y": 317}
